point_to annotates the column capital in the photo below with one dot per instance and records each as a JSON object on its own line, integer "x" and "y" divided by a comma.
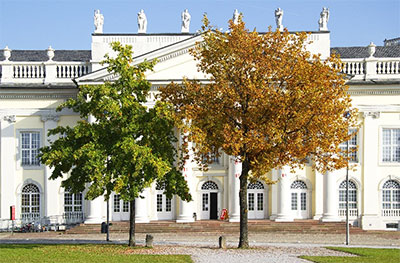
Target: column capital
{"x": 10, "y": 118}
{"x": 372, "y": 114}
{"x": 54, "y": 118}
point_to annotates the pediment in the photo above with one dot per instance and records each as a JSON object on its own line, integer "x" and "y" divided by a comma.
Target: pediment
{"x": 174, "y": 63}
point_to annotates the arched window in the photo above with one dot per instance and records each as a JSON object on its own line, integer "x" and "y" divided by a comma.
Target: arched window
{"x": 209, "y": 185}
{"x": 30, "y": 203}
{"x": 298, "y": 185}
{"x": 256, "y": 185}
{"x": 352, "y": 199}
{"x": 391, "y": 198}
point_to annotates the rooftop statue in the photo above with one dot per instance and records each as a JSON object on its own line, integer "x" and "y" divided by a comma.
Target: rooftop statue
{"x": 98, "y": 22}
{"x": 185, "y": 21}
{"x": 278, "y": 19}
{"x": 323, "y": 20}
{"x": 142, "y": 22}
{"x": 236, "y": 17}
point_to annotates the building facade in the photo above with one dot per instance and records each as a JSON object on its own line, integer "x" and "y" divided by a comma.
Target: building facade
{"x": 34, "y": 82}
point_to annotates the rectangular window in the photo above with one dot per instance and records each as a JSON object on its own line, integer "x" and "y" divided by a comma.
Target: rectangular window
{"x": 251, "y": 201}
{"x": 159, "y": 202}
{"x": 205, "y": 202}
{"x": 30, "y": 144}
{"x": 260, "y": 201}
{"x": 386, "y": 199}
{"x": 294, "y": 201}
{"x": 391, "y": 145}
{"x": 303, "y": 201}
{"x": 168, "y": 205}
{"x": 125, "y": 207}
{"x": 352, "y": 146}
{"x": 117, "y": 205}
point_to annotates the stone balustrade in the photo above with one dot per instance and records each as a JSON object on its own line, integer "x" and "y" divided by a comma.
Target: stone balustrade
{"x": 372, "y": 68}
{"x": 42, "y": 72}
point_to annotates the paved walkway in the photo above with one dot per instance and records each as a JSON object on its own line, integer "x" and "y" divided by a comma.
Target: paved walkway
{"x": 203, "y": 247}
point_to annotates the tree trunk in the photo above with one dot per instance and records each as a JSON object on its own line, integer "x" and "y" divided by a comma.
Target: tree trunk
{"x": 244, "y": 234}
{"x": 132, "y": 241}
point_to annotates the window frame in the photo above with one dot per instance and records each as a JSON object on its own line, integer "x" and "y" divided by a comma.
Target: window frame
{"x": 38, "y": 166}
{"x": 343, "y": 145}
{"x": 381, "y": 145}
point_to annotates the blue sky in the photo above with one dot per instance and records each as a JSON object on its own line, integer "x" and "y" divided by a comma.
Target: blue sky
{"x": 68, "y": 24}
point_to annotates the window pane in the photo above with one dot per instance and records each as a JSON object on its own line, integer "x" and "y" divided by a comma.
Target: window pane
{"x": 205, "y": 202}
{"x": 260, "y": 201}
{"x": 117, "y": 199}
{"x": 168, "y": 205}
{"x": 303, "y": 201}
{"x": 159, "y": 202}
{"x": 125, "y": 206}
{"x": 294, "y": 201}
{"x": 251, "y": 201}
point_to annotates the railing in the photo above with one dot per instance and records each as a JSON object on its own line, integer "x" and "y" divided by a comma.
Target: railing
{"x": 30, "y": 71}
{"x": 387, "y": 67}
{"x": 73, "y": 217}
{"x": 71, "y": 71}
{"x": 42, "y": 72}
{"x": 372, "y": 68}
{"x": 391, "y": 212}
{"x": 352, "y": 212}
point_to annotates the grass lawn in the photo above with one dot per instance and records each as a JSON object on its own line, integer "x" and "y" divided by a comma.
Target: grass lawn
{"x": 365, "y": 255}
{"x": 81, "y": 254}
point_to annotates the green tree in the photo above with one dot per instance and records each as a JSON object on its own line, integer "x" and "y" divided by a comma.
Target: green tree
{"x": 119, "y": 145}
{"x": 269, "y": 102}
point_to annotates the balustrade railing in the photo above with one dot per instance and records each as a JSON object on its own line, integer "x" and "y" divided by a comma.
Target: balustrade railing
{"x": 29, "y": 71}
{"x": 352, "y": 212}
{"x": 388, "y": 67}
{"x": 42, "y": 72}
{"x": 71, "y": 71}
{"x": 353, "y": 68}
{"x": 391, "y": 212}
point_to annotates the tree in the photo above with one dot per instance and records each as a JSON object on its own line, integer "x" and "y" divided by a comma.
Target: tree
{"x": 126, "y": 148}
{"x": 269, "y": 103}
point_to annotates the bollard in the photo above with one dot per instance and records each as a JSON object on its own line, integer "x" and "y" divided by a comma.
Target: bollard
{"x": 149, "y": 241}
{"x": 222, "y": 242}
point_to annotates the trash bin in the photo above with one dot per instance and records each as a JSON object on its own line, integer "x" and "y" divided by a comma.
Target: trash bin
{"x": 104, "y": 227}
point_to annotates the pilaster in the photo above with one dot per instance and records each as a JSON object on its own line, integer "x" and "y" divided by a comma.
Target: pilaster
{"x": 7, "y": 169}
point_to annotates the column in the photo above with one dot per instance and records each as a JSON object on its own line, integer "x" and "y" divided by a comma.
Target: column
{"x": 186, "y": 209}
{"x": 274, "y": 196}
{"x": 318, "y": 195}
{"x": 235, "y": 170}
{"x": 141, "y": 214}
{"x": 95, "y": 207}
{"x": 7, "y": 170}
{"x": 95, "y": 211}
{"x": 330, "y": 198}
{"x": 284, "y": 212}
{"x": 51, "y": 187}
{"x": 370, "y": 177}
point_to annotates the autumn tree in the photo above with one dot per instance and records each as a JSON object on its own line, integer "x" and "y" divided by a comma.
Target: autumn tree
{"x": 125, "y": 148}
{"x": 269, "y": 103}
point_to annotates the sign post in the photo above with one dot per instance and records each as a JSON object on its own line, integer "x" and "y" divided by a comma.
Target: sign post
{"x": 12, "y": 218}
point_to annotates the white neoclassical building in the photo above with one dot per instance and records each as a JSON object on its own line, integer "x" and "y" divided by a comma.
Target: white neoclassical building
{"x": 34, "y": 82}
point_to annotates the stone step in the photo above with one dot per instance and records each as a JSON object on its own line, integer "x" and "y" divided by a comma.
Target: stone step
{"x": 301, "y": 226}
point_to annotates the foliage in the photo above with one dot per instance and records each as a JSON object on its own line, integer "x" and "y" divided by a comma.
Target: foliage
{"x": 120, "y": 145}
{"x": 365, "y": 255}
{"x": 270, "y": 103}
{"x": 82, "y": 253}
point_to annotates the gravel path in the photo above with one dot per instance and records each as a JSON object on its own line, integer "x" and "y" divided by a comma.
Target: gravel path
{"x": 265, "y": 247}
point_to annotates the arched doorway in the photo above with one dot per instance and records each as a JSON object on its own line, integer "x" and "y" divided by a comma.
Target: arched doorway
{"x": 299, "y": 200}
{"x": 209, "y": 200}
{"x": 255, "y": 200}
{"x": 30, "y": 203}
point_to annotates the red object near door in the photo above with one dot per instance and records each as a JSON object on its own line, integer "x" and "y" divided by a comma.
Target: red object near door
{"x": 12, "y": 212}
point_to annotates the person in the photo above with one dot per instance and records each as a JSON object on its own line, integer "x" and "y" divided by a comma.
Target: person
{"x": 185, "y": 21}
{"x": 142, "y": 22}
{"x": 278, "y": 18}
{"x": 98, "y": 21}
